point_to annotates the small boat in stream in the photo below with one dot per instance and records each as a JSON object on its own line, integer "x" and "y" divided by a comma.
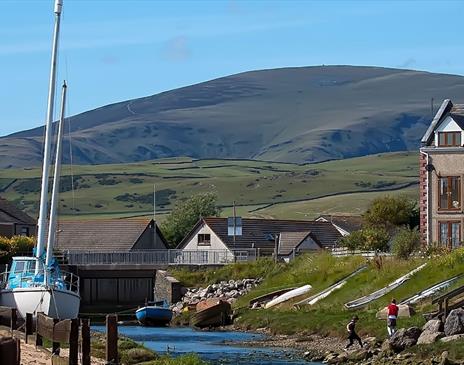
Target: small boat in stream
{"x": 154, "y": 314}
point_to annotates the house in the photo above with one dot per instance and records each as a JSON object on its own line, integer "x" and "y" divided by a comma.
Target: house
{"x": 111, "y": 257}
{"x": 214, "y": 236}
{"x": 345, "y": 224}
{"x": 14, "y": 221}
{"x": 441, "y": 173}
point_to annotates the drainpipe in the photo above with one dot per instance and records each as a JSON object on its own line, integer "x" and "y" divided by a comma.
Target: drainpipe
{"x": 427, "y": 196}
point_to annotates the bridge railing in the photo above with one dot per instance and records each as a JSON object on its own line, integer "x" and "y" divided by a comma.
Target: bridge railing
{"x": 159, "y": 257}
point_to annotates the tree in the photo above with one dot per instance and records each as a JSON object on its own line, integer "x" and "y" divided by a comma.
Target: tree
{"x": 368, "y": 239}
{"x": 185, "y": 214}
{"x": 390, "y": 211}
{"x": 406, "y": 242}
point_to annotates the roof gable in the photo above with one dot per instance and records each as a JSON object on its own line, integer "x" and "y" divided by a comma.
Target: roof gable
{"x": 288, "y": 241}
{"x": 442, "y": 111}
{"x": 348, "y": 223}
{"x": 448, "y": 113}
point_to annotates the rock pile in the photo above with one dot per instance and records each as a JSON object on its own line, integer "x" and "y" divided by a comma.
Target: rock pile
{"x": 226, "y": 290}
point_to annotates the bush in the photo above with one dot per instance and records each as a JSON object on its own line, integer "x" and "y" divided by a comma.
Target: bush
{"x": 15, "y": 245}
{"x": 368, "y": 239}
{"x": 391, "y": 211}
{"x": 405, "y": 243}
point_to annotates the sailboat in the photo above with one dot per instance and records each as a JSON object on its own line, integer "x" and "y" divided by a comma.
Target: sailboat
{"x": 36, "y": 284}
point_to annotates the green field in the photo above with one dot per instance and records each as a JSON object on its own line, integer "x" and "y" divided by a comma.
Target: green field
{"x": 259, "y": 188}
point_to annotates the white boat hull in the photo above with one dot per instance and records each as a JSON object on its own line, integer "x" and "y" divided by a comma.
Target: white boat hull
{"x": 289, "y": 295}
{"x": 54, "y": 303}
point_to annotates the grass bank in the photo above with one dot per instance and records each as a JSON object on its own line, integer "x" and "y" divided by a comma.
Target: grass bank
{"x": 329, "y": 316}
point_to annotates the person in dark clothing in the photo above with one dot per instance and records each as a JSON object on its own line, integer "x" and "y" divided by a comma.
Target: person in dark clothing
{"x": 352, "y": 335}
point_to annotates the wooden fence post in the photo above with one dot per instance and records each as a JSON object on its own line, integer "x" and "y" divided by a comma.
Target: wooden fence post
{"x": 112, "y": 339}
{"x": 55, "y": 345}
{"x": 74, "y": 342}
{"x": 14, "y": 319}
{"x": 29, "y": 324}
{"x": 85, "y": 344}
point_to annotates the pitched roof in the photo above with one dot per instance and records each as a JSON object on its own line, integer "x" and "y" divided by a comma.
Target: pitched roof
{"x": 12, "y": 214}
{"x": 100, "y": 234}
{"x": 447, "y": 108}
{"x": 290, "y": 240}
{"x": 348, "y": 223}
{"x": 260, "y": 233}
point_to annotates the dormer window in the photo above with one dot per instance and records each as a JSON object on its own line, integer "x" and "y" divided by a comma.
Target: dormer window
{"x": 449, "y": 139}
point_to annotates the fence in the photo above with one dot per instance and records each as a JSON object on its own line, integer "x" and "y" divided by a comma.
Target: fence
{"x": 58, "y": 332}
{"x": 343, "y": 251}
{"x": 160, "y": 257}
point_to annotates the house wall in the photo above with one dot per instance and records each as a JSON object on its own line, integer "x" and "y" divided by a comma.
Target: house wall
{"x": 31, "y": 229}
{"x": 216, "y": 242}
{"x": 6, "y": 230}
{"x": 449, "y": 164}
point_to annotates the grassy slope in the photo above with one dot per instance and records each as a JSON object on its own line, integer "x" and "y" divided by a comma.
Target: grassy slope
{"x": 252, "y": 184}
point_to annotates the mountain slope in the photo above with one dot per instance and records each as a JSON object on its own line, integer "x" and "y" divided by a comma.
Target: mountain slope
{"x": 291, "y": 115}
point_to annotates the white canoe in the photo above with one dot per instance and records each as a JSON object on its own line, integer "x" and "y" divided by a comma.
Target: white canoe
{"x": 430, "y": 291}
{"x": 326, "y": 292}
{"x": 381, "y": 292}
{"x": 288, "y": 295}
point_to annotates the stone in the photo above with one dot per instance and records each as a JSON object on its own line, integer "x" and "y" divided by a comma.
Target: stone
{"x": 433, "y": 326}
{"x": 359, "y": 355}
{"x": 427, "y": 337}
{"x": 452, "y": 338}
{"x": 454, "y": 323}
{"x": 404, "y": 338}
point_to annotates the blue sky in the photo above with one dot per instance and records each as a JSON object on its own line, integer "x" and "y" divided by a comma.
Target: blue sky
{"x": 113, "y": 50}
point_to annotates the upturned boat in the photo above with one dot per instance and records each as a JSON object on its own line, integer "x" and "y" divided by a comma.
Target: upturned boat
{"x": 212, "y": 313}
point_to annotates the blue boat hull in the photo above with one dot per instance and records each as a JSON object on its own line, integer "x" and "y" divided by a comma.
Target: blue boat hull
{"x": 154, "y": 316}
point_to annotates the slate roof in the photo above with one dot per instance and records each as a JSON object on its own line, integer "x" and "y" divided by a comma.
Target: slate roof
{"x": 9, "y": 213}
{"x": 100, "y": 234}
{"x": 260, "y": 233}
{"x": 290, "y": 240}
{"x": 348, "y": 223}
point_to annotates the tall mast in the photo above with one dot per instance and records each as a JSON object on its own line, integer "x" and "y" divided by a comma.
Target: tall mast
{"x": 56, "y": 181}
{"x": 42, "y": 222}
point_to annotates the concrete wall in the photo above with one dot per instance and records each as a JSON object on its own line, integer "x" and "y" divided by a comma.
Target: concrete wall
{"x": 167, "y": 287}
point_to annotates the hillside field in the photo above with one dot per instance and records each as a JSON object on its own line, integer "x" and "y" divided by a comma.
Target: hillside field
{"x": 259, "y": 188}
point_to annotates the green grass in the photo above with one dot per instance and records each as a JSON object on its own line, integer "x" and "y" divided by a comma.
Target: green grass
{"x": 329, "y": 316}
{"x": 202, "y": 277}
{"x": 251, "y": 184}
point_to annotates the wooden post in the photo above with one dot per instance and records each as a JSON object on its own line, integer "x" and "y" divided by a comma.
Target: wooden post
{"x": 18, "y": 352}
{"x": 112, "y": 339}
{"x": 276, "y": 247}
{"x": 85, "y": 329}
{"x": 74, "y": 342}
{"x": 445, "y": 313}
{"x": 55, "y": 345}
{"x": 14, "y": 319}
{"x": 28, "y": 329}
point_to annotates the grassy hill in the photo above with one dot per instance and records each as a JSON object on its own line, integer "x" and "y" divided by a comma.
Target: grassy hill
{"x": 303, "y": 114}
{"x": 258, "y": 188}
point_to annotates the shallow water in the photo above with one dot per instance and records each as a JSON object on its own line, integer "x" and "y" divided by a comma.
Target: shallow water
{"x": 208, "y": 345}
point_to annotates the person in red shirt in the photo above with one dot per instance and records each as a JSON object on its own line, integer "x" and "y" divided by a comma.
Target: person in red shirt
{"x": 392, "y": 317}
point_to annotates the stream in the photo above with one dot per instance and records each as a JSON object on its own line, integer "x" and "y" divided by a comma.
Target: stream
{"x": 209, "y": 345}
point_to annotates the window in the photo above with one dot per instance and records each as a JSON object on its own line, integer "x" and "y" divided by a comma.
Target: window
{"x": 449, "y": 192}
{"x": 204, "y": 239}
{"x": 449, "y": 139}
{"x": 450, "y": 234}
{"x": 24, "y": 231}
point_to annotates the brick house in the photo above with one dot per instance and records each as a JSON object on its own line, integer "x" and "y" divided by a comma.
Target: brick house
{"x": 14, "y": 221}
{"x": 441, "y": 178}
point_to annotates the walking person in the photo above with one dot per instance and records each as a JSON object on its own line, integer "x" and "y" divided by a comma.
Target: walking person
{"x": 352, "y": 335}
{"x": 392, "y": 315}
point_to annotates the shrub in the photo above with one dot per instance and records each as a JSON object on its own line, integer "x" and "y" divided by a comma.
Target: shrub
{"x": 405, "y": 243}
{"x": 391, "y": 211}
{"x": 369, "y": 239}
